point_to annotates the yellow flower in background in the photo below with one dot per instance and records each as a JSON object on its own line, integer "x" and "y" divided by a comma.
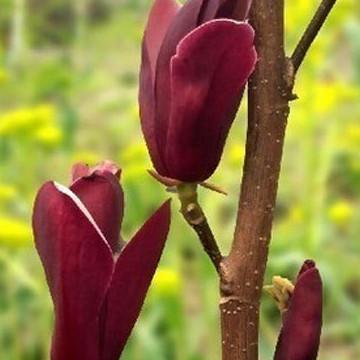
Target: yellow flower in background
{"x": 328, "y": 98}
{"x": 166, "y": 282}
{"x": 135, "y": 161}
{"x": 134, "y": 153}
{"x": 14, "y": 233}
{"x": 4, "y": 76}
{"x": 48, "y": 136}
{"x": 25, "y": 121}
{"x": 331, "y": 94}
{"x": 295, "y": 12}
{"x": 135, "y": 172}
{"x": 7, "y": 192}
{"x": 323, "y": 98}
{"x": 341, "y": 212}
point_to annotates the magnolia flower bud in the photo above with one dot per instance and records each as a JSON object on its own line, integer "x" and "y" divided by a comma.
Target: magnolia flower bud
{"x": 196, "y": 60}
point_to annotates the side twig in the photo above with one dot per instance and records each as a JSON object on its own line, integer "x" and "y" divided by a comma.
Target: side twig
{"x": 311, "y": 32}
{"x": 196, "y": 218}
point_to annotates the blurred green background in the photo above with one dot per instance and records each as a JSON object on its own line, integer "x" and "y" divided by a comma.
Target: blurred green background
{"x": 68, "y": 92}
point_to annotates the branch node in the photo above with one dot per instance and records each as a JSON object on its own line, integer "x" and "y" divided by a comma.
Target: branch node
{"x": 289, "y": 73}
{"x": 193, "y": 214}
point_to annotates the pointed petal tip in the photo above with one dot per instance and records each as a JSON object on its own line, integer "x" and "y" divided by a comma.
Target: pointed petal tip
{"x": 51, "y": 190}
{"x": 309, "y": 263}
{"x": 133, "y": 274}
{"x": 81, "y": 169}
{"x": 311, "y": 279}
{"x": 162, "y": 214}
{"x": 160, "y": 17}
{"x": 306, "y": 266}
{"x": 103, "y": 197}
{"x": 107, "y": 166}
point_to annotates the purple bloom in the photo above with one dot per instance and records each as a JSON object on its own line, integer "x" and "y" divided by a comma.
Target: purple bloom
{"x": 97, "y": 282}
{"x": 196, "y": 60}
{"x": 300, "y": 334}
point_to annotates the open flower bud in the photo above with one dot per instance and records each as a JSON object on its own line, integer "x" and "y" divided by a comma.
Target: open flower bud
{"x": 97, "y": 282}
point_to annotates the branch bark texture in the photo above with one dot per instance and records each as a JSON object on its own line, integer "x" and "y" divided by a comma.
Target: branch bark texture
{"x": 270, "y": 91}
{"x": 242, "y": 272}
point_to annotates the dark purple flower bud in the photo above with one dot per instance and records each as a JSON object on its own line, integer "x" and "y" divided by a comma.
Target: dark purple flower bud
{"x": 196, "y": 60}
{"x": 300, "y": 334}
{"x": 97, "y": 283}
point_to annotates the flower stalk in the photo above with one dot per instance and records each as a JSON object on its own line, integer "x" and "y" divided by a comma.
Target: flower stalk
{"x": 195, "y": 217}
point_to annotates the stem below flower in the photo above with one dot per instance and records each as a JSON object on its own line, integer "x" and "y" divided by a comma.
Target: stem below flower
{"x": 195, "y": 217}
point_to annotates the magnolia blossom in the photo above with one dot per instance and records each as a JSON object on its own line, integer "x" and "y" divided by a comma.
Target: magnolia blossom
{"x": 196, "y": 60}
{"x": 300, "y": 334}
{"x": 97, "y": 282}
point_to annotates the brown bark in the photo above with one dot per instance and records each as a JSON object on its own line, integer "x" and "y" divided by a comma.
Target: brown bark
{"x": 270, "y": 91}
{"x": 243, "y": 270}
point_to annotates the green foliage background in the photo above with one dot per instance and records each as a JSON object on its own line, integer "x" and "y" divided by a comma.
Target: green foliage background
{"x": 68, "y": 92}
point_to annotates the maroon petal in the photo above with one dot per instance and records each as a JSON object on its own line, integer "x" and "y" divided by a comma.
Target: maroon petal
{"x": 161, "y": 15}
{"x": 79, "y": 170}
{"x": 300, "y": 335}
{"x": 159, "y": 46}
{"x": 238, "y": 10}
{"x": 193, "y": 14}
{"x": 78, "y": 265}
{"x": 307, "y": 265}
{"x": 102, "y": 195}
{"x": 185, "y": 21}
{"x": 106, "y": 167}
{"x": 206, "y": 95}
{"x": 147, "y": 111}
{"x": 224, "y": 9}
{"x": 208, "y": 11}
{"x": 134, "y": 270}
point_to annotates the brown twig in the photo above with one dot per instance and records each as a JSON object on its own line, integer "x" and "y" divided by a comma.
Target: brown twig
{"x": 195, "y": 217}
{"x": 311, "y": 32}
